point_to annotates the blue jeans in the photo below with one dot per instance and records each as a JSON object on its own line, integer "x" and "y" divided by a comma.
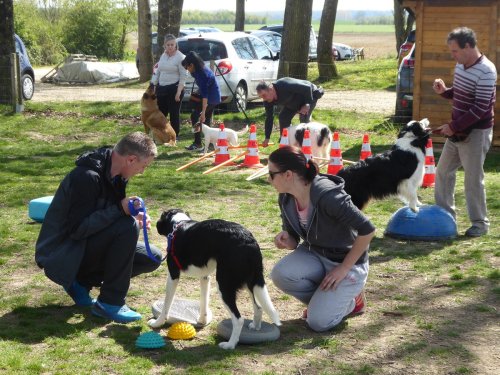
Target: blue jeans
{"x": 300, "y": 273}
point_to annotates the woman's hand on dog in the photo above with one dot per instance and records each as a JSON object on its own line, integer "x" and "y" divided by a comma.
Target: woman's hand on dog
{"x": 283, "y": 240}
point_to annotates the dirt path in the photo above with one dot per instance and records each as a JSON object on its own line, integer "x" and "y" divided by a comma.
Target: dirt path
{"x": 362, "y": 101}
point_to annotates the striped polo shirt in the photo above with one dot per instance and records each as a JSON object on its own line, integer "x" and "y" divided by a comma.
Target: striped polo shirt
{"x": 474, "y": 94}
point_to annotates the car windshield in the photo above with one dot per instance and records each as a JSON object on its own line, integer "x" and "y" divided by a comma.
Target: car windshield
{"x": 207, "y": 49}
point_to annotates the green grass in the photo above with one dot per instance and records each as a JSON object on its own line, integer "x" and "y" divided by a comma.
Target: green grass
{"x": 373, "y": 74}
{"x": 428, "y": 302}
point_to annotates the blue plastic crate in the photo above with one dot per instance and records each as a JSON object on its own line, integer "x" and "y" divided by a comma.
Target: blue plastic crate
{"x": 38, "y": 207}
{"x": 431, "y": 223}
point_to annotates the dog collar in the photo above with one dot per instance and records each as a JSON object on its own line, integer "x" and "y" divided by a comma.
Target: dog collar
{"x": 171, "y": 248}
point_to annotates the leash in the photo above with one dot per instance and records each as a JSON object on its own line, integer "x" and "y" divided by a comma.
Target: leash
{"x": 231, "y": 90}
{"x": 135, "y": 206}
{"x": 171, "y": 248}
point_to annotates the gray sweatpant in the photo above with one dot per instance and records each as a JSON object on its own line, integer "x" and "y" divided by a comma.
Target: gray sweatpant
{"x": 469, "y": 154}
{"x": 300, "y": 273}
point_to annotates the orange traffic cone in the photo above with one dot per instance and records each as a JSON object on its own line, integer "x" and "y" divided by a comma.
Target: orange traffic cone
{"x": 430, "y": 166}
{"x": 223, "y": 154}
{"x": 306, "y": 145}
{"x": 252, "y": 159}
{"x": 335, "y": 164}
{"x": 284, "y": 138}
{"x": 365, "y": 148}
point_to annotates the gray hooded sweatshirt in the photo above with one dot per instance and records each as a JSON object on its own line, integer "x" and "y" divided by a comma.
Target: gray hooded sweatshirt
{"x": 333, "y": 223}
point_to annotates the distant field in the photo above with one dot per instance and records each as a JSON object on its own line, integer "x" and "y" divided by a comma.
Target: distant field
{"x": 339, "y": 28}
{"x": 378, "y": 41}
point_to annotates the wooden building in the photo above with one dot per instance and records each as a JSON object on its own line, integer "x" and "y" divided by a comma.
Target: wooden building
{"x": 434, "y": 20}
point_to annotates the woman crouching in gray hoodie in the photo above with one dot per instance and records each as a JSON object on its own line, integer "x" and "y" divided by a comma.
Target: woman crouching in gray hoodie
{"x": 328, "y": 267}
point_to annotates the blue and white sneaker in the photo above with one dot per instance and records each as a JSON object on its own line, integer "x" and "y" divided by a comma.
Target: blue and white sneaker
{"x": 80, "y": 294}
{"x": 119, "y": 314}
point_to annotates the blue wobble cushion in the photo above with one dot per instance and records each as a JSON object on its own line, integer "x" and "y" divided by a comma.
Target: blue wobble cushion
{"x": 431, "y": 223}
{"x": 150, "y": 340}
{"x": 38, "y": 207}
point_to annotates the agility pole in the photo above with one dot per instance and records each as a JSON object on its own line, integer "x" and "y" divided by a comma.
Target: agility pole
{"x": 324, "y": 159}
{"x": 259, "y": 173}
{"x": 197, "y": 160}
{"x": 225, "y": 163}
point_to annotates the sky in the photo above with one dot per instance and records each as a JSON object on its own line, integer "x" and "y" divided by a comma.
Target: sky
{"x": 272, "y": 5}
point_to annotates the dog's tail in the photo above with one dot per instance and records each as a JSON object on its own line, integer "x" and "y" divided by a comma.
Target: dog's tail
{"x": 262, "y": 298}
{"x": 243, "y": 131}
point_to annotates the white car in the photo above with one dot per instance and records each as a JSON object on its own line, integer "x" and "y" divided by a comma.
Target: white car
{"x": 343, "y": 51}
{"x": 240, "y": 62}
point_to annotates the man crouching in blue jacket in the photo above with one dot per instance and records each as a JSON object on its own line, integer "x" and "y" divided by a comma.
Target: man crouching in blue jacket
{"x": 89, "y": 238}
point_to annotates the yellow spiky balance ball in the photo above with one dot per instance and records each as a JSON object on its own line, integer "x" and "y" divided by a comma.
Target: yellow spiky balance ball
{"x": 181, "y": 331}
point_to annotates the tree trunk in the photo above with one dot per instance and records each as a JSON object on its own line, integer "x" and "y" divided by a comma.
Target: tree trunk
{"x": 326, "y": 64}
{"x": 294, "y": 53}
{"x": 7, "y": 47}
{"x": 144, "y": 50}
{"x": 169, "y": 21}
{"x": 403, "y": 23}
{"x": 239, "y": 23}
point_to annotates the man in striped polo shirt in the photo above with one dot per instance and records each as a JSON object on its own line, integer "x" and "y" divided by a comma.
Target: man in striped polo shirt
{"x": 470, "y": 130}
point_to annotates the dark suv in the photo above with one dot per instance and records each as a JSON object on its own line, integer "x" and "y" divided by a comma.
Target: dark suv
{"x": 405, "y": 48}
{"x": 27, "y": 72}
{"x": 404, "y": 87}
{"x": 313, "y": 42}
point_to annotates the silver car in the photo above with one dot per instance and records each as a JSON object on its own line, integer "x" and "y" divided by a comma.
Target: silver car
{"x": 343, "y": 51}
{"x": 240, "y": 61}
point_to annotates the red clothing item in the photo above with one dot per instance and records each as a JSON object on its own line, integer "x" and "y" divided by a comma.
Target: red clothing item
{"x": 474, "y": 95}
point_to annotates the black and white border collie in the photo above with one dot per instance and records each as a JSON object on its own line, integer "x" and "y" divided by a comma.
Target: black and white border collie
{"x": 398, "y": 171}
{"x": 320, "y": 136}
{"x": 200, "y": 248}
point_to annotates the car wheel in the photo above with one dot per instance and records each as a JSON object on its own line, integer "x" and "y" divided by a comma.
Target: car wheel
{"x": 27, "y": 86}
{"x": 239, "y": 102}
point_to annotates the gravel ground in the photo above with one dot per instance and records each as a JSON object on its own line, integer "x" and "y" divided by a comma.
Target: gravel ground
{"x": 362, "y": 101}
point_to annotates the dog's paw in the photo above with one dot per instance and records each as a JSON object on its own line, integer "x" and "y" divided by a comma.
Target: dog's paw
{"x": 255, "y": 326}
{"x": 155, "y": 323}
{"x": 226, "y": 345}
{"x": 205, "y": 318}
{"x": 415, "y": 209}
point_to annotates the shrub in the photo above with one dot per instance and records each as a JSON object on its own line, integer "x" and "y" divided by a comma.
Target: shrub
{"x": 90, "y": 27}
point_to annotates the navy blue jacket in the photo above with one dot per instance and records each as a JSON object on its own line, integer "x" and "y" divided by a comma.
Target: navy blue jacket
{"x": 86, "y": 202}
{"x": 207, "y": 85}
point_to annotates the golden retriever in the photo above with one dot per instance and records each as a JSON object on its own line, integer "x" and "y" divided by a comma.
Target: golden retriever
{"x": 154, "y": 121}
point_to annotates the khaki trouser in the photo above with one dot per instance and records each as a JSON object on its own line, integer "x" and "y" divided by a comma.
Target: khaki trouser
{"x": 469, "y": 154}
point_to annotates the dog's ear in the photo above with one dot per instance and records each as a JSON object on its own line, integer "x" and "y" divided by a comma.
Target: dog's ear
{"x": 425, "y": 122}
{"x": 145, "y": 95}
{"x": 162, "y": 224}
